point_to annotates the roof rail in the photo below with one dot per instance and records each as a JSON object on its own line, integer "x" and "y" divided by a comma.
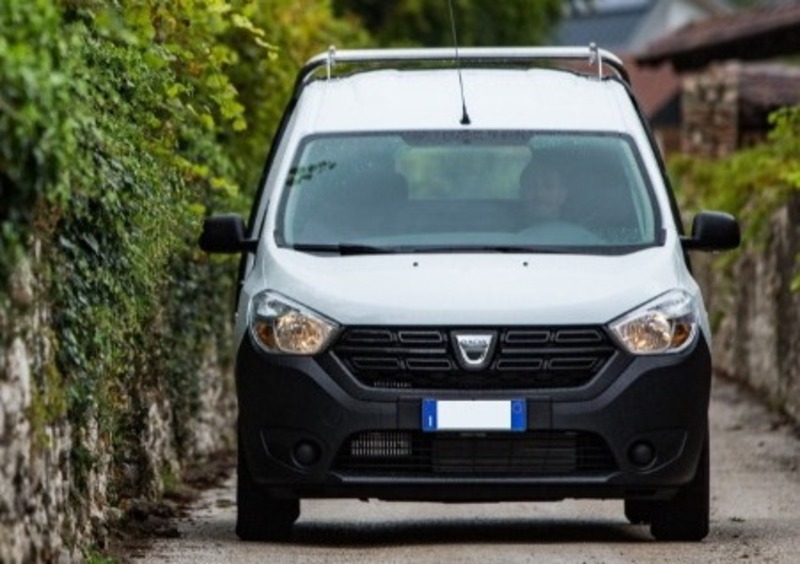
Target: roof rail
{"x": 494, "y": 55}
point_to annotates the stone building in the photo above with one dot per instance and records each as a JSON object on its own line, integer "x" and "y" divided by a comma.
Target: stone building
{"x": 726, "y": 95}
{"x": 627, "y": 27}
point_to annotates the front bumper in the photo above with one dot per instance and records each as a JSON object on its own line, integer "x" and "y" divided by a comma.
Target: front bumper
{"x": 296, "y": 415}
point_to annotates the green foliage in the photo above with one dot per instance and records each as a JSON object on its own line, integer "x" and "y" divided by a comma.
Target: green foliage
{"x": 296, "y": 30}
{"x": 94, "y": 555}
{"x": 479, "y": 22}
{"x": 48, "y": 403}
{"x": 122, "y": 124}
{"x": 751, "y": 184}
{"x": 37, "y": 127}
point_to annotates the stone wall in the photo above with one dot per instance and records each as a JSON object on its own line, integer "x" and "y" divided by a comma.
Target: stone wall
{"x": 710, "y": 111}
{"x": 726, "y": 106}
{"x": 41, "y": 518}
{"x": 35, "y": 513}
{"x": 757, "y": 315}
{"x": 755, "y": 312}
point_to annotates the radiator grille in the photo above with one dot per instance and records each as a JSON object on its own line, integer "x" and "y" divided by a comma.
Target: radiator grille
{"x": 524, "y": 358}
{"x": 418, "y": 454}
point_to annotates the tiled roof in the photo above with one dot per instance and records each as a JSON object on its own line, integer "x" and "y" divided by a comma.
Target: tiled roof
{"x": 769, "y": 85}
{"x": 754, "y": 34}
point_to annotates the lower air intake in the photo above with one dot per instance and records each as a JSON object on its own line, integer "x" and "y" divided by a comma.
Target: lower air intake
{"x": 540, "y": 453}
{"x": 388, "y": 445}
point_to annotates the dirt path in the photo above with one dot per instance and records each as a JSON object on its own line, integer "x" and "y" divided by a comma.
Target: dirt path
{"x": 755, "y": 516}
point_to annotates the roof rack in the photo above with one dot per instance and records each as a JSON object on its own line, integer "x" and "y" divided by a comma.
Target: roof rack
{"x": 493, "y": 55}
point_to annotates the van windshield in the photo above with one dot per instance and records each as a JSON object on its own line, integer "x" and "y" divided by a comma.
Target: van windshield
{"x": 477, "y": 190}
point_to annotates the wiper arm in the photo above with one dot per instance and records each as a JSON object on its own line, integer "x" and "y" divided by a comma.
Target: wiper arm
{"x": 343, "y": 249}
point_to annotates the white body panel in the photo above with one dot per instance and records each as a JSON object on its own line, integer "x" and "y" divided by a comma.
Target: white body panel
{"x": 466, "y": 289}
{"x": 472, "y": 289}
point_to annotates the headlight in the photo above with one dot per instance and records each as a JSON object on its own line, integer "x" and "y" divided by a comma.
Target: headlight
{"x": 668, "y": 324}
{"x": 281, "y": 326}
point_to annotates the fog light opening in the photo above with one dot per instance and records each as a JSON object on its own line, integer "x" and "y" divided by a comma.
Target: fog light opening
{"x": 306, "y": 453}
{"x": 642, "y": 453}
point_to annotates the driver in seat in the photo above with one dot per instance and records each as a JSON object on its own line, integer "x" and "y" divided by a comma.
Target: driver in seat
{"x": 542, "y": 193}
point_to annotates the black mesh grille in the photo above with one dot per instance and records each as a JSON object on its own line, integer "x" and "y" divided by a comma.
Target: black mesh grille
{"x": 524, "y": 358}
{"x": 412, "y": 453}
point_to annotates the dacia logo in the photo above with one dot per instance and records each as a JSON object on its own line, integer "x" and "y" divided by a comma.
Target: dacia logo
{"x": 474, "y": 349}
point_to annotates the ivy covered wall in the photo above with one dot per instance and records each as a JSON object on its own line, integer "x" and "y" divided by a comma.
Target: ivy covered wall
{"x": 123, "y": 124}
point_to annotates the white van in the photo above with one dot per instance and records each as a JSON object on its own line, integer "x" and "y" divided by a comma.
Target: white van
{"x": 483, "y": 300}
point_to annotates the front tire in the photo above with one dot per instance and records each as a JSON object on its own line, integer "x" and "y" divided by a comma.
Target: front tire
{"x": 261, "y": 517}
{"x": 639, "y": 512}
{"x": 686, "y": 516}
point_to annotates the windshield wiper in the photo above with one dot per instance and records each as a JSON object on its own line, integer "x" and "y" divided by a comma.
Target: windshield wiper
{"x": 343, "y": 249}
{"x": 360, "y": 249}
{"x": 483, "y": 249}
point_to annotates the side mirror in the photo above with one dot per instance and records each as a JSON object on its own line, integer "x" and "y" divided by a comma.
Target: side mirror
{"x": 713, "y": 231}
{"x": 225, "y": 234}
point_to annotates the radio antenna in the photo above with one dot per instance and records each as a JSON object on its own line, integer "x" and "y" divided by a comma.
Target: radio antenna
{"x": 464, "y": 115}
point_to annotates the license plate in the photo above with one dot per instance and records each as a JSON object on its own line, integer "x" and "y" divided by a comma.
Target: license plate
{"x": 474, "y": 415}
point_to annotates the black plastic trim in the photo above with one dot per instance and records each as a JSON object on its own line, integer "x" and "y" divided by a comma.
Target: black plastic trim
{"x": 662, "y": 400}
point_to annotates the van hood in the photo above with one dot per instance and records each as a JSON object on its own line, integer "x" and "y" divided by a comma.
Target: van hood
{"x": 474, "y": 289}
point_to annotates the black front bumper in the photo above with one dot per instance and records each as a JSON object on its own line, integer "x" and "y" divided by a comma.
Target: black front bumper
{"x": 297, "y": 415}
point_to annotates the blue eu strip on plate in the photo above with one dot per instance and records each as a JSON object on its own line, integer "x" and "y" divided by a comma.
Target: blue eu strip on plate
{"x": 474, "y": 415}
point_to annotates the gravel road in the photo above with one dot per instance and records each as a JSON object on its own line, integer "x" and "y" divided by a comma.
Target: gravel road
{"x": 755, "y": 516}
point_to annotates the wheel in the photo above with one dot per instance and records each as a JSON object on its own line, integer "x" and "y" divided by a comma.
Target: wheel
{"x": 261, "y": 517}
{"x": 638, "y": 512}
{"x": 686, "y": 516}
